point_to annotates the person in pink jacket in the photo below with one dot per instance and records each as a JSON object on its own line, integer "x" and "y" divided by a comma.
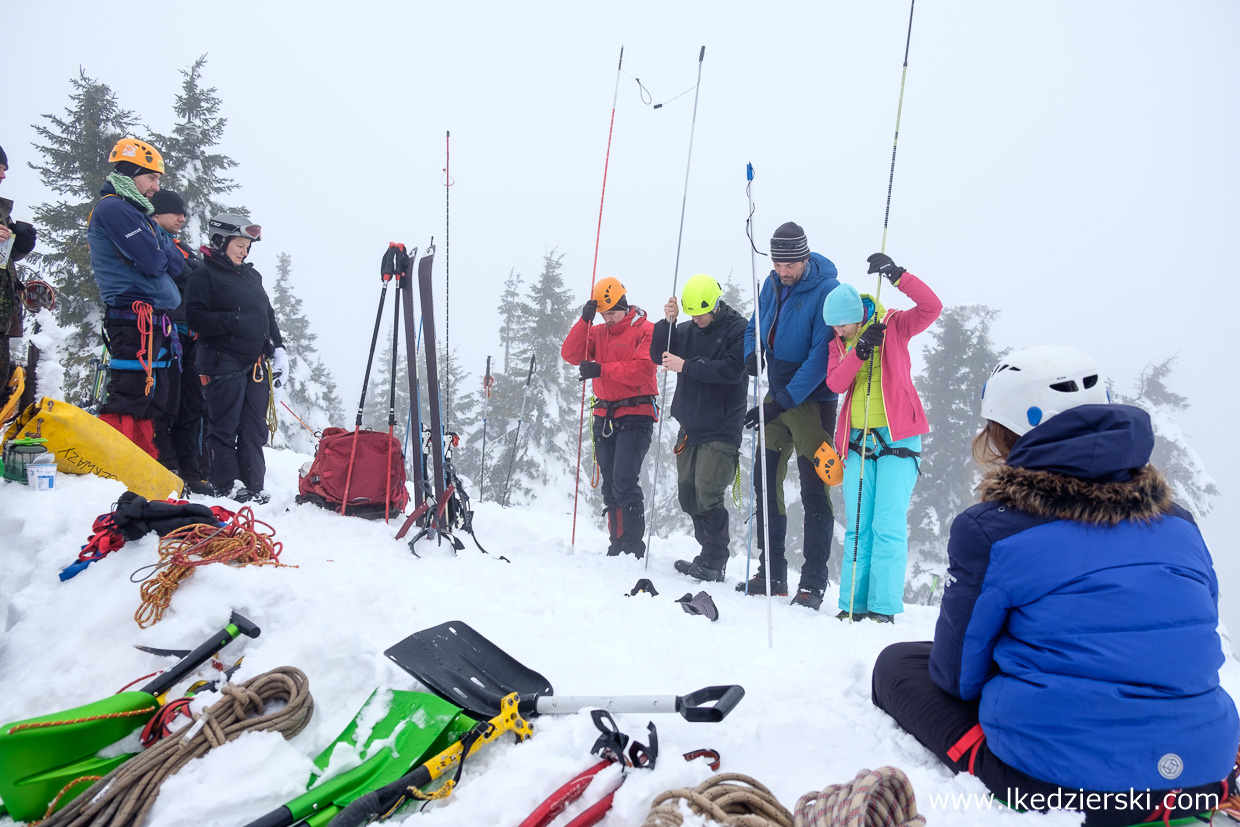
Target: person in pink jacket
{"x": 869, "y": 364}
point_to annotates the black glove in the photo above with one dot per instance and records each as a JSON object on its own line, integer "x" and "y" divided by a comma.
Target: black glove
{"x": 751, "y": 364}
{"x": 25, "y": 238}
{"x": 590, "y": 370}
{"x": 770, "y": 412}
{"x": 872, "y": 338}
{"x": 587, "y": 312}
{"x": 882, "y": 263}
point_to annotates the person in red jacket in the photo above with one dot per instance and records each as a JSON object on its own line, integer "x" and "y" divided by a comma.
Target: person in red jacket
{"x": 617, "y": 357}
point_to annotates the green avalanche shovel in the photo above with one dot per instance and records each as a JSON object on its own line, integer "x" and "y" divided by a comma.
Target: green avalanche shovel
{"x": 50, "y": 759}
{"x": 416, "y": 726}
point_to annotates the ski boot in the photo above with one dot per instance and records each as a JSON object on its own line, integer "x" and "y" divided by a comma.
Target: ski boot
{"x": 698, "y": 571}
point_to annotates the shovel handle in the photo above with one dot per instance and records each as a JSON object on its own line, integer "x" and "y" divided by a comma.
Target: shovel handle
{"x": 238, "y": 625}
{"x": 279, "y": 817}
{"x": 710, "y": 704}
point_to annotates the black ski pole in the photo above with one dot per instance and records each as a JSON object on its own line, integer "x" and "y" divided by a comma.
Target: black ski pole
{"x": 396, "y": 267}
{"x": 385, "y": 269}
{"x": 865, "y": 417}
{"x": 512, "y": 458}
{"x": 488, "y": 381}
{"x": 675, "y": 280}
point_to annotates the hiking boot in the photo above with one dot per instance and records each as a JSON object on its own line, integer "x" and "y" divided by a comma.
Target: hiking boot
{"x": 699, "y": 572}
{"x": 877, "y": 618}
{"x": 810, "y": 598}
{"x": 245, "y": 495}
{"x": 843, "y": 615}
{"x": 757, "y": 585}
{"x": 199, "y": 486}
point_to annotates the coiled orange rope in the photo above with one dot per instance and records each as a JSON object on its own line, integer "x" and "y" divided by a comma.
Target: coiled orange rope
{"x": 146, "y": 329}
{"x": 243, "y": 541}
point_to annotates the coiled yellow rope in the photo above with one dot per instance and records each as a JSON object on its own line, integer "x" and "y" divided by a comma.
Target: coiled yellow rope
{"x": 879, "y": 798}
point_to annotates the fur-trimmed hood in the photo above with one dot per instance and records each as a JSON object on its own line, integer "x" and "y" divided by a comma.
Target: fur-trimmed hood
{"x": 1089, "y": 464}
{"x": 1046, "y": 494}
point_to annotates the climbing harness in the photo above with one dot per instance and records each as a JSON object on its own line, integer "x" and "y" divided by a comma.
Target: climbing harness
{"x": 886, "y": 449}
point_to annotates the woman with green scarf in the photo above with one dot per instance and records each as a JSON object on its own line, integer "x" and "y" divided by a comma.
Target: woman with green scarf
{"x": 134, "y": 268}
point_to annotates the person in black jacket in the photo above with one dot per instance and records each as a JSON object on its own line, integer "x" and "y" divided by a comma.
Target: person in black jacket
{"x": 708, "y": 352}
{"x": 236, "y": 325}
{"x": 179, "y": 427}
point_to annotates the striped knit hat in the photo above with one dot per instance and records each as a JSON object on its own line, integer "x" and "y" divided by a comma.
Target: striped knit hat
{"x": 789, "y": 244}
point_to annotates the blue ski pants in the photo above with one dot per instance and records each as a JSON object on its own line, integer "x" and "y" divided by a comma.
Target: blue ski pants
{"x": 882, "y": 552}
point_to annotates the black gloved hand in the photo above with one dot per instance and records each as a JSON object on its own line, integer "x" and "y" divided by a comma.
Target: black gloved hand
{"x": 751, "y": 365}
{"x": 590, "y": 370}
{"x": 587, "y": 312}
{"x": 770, "y": 412}
{"x": 882, "y": 263}
{"x": 872, "y": 338}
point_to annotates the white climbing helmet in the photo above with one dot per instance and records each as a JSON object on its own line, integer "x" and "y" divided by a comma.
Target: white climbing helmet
{"x": 1030, "y": 386}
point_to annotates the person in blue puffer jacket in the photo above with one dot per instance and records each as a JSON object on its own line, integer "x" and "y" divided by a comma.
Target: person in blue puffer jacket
{"x": 1076, "y": 659}
{"x": 134, "y": 268}
{"x": 798, "y": 411}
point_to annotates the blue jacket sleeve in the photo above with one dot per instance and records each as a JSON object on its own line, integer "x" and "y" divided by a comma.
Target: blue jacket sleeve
{"x": 973, "y": 613}
{"x": 134, "y": 236}
{"x": 168, "y": 244}
{"x": 813, "y": 371}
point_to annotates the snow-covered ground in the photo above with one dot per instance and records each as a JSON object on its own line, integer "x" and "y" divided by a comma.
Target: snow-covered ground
{"x": 806, "y": 720}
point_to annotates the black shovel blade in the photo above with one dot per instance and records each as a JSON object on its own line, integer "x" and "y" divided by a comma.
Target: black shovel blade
{"x": 463, "y": 667}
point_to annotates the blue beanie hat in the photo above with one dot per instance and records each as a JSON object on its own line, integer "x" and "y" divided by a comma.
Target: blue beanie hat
{"x": 843, "y": 306}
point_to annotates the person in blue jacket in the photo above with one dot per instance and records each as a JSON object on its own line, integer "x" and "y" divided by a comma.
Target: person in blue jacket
{"x": 135, "y": 267}
{"x": 1075, "y": 664}
{"x": 798, "y": 411}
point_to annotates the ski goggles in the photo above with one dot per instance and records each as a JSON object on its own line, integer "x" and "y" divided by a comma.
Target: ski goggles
{"x": 254, "y": 232}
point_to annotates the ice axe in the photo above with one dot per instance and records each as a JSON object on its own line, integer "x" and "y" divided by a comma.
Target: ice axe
{"x": 460, "y": 665}
{"x": 53, "y": 758}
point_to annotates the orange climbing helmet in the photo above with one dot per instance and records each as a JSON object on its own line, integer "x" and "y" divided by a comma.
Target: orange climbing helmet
{"x": 137, "y": 153}
{"x": 828, "y": 464}
{"x": 607, "y": 292}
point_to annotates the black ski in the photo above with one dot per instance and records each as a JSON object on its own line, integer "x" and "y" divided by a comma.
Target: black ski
{"x": 426, "y": 296}
{"x": 421, "y": 483}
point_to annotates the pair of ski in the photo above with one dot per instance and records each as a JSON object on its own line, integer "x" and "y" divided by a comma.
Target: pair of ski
{"x": 436, "y": 485}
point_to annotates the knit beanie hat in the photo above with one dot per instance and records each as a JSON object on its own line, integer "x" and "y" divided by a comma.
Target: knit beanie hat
{"x": 789, "y": 244}
{"x": 4, "y": 159}
{"x": 167, "y": 201}
{"x": 843, "y": 306}
{"x": 622, "y": 303}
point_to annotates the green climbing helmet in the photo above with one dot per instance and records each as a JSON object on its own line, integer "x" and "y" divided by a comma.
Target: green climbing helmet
{"x": 701, "y": 295}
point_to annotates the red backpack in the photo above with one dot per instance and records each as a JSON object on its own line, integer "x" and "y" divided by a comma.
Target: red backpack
{"x": 378, "y": 468}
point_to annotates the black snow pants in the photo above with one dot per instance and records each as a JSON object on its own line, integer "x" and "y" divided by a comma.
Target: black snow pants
{"x": 236, "y": 421}
{"x": 902, "y": 687}
{"x": 620, "y": 447}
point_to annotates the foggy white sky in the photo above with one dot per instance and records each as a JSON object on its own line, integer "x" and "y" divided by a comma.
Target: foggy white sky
{"x": 1071, "y": 163}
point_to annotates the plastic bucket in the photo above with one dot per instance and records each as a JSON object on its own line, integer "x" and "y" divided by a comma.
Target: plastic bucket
{"x": 41, "y": 476}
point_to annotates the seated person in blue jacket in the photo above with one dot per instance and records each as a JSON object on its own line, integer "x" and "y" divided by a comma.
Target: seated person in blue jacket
{"x": 1075, "y": 664}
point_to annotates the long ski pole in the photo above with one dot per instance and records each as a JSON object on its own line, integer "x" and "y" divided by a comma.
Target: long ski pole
{"x": 488, "y": 382}
{"x": 447, "y": 272}
{"x": 865, "y": 416}
{"x": 397, "y": 269}
{"x": 516, "y": 440}
{"x": 758, "y": 396}
{"x": 684, "y": 201}
{"x": 361, "y": 405}
{"x": 598, "y": 234}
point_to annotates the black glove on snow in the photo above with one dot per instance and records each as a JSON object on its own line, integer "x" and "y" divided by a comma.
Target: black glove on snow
{"x": 590, "y": 370}
{"x": 882, "y": 263}
{"x": 587, "y": 312}
{"x": 770, "y": 412}
{"x": 872, "y": 338}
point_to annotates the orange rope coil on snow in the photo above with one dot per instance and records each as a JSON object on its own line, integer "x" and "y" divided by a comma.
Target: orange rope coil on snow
{"x": 243, "y": 541}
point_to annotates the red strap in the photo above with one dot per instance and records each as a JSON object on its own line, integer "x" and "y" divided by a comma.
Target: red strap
{"x": 971, "y": 740}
